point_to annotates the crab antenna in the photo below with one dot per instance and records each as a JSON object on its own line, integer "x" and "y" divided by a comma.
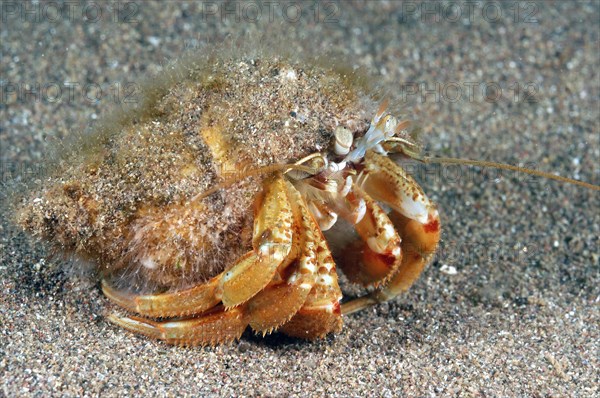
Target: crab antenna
{"x": 503, "y": 166}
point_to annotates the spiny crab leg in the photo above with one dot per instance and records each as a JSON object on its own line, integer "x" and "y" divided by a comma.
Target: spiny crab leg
{"x": 321, "y": 313}
{"x": 244, "y": 279}
{"x": 373, "y": 259}
{"x": 301, "y": 298}
{"x": 278, "y": 302}
{"x": 272, "y": 242}
{"x": 220, "y": 326}
{"x": 415, "y": 218}
{"x": 387, "y": 182}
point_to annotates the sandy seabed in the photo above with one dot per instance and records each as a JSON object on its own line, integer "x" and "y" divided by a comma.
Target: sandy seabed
{"x": 515, "y": 82}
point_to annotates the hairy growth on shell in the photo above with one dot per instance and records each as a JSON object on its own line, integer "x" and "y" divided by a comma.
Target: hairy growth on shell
{"x": 127, "y": 204}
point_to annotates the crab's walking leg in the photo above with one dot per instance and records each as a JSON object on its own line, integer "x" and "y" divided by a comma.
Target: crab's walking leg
{"x": 374, "y": 258}
{"x": 414, "y": 216}
{"x": 278, "y": 302}
{"x": 321, "y": 312}
{"x": 272, "y": 243}
{"x": 220, "y": 326}
{"x": 191, "y": 301}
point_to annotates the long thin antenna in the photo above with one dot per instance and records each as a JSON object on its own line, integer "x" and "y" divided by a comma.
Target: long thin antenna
{"x": 482, "y": 163}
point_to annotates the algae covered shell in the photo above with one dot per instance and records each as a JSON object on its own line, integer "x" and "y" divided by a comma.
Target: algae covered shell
{"x": 204, "y": 208}
{"x": 124, "y": 203}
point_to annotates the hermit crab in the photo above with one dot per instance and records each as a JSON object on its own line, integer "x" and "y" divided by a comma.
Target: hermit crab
{"x": 230, "y": 197}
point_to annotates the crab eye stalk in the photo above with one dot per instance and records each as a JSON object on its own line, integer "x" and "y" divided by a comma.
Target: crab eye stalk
{"x": 342, "y": 141}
